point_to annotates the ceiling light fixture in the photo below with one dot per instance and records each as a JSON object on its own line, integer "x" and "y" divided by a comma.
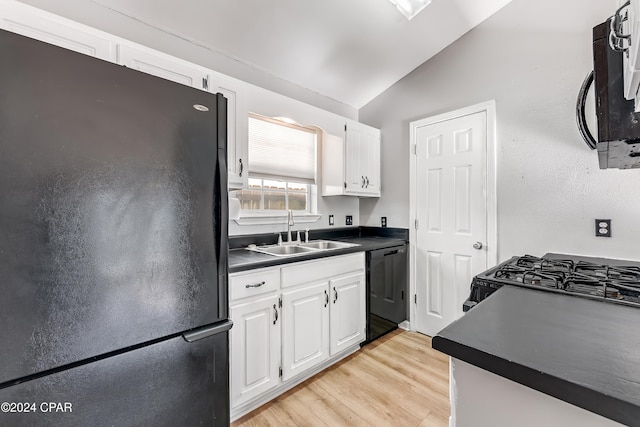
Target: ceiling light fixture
{"x": 410, "y": 8}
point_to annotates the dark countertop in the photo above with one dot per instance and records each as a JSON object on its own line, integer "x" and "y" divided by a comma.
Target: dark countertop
{"x": 578, "y": 350}
{"x": 243, "y": 259}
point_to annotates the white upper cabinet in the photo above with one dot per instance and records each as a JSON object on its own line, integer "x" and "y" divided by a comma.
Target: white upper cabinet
{"x": 237, "y": 133}
{"x": 629, "y": 19}
{"x": 31, "y": 22}
{"x": 351, "y": 163}
{"x": 164, "y": 66}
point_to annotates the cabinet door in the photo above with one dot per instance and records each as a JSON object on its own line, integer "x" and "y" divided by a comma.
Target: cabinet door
{"x": 237, "y": 133}
{"x": 353, "y": 159}
{"x": 162, "y": 65}
{"x": 371, "y": 160}
{"x": 347, "y": 311}
{"x": 39, "y": 25}
{"x": 362, "y": 159}
{"x": 305, "y": 329}
{"x": 255, "y": 349}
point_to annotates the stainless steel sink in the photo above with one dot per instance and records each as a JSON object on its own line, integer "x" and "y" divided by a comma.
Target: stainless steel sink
{"x": 327, "y": 244}
{"x": 283, "y": 250}
{"x": 300, "y": 248}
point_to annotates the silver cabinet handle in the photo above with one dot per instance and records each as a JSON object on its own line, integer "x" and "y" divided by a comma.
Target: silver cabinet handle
{"x": 477, "y": 245}
{"x": 335, "y": 295}
{"x": 326, "y": 298}
{"x": 276, "y": 313}
{"x": 241, "y": 167}
{"x": 367, "y": 186}
{"x": 362, "y": 182}
{"x": 256, "y": 285}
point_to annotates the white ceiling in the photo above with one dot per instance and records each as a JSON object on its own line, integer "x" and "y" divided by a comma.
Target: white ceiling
{"x": 347, "y": 50}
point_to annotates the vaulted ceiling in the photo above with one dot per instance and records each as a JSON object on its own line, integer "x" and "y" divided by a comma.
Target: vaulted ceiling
{"x": 347, "y": 50}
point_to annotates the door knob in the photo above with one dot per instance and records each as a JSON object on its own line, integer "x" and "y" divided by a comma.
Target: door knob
{"x": 477, "y": 245}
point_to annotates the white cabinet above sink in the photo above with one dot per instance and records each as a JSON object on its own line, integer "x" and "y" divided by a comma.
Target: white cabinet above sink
{"x": 351, "y": 162}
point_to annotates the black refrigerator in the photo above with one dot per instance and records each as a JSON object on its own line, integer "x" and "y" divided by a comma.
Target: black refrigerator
{"x": 113, "y": 244}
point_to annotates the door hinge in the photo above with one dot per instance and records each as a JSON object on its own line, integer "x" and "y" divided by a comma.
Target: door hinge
{"x": 415, "y": 149}
{"x": 416, "y": 224}
{"x": 415, "y": 298}
{"x": 345, "y": 127}
{"x": 402, "y": 295}
{"x": 205, "y": 83}
{"x": 280, "y": 372}
{"x": 279, "y": 302}
{"x": 345, "y": 185}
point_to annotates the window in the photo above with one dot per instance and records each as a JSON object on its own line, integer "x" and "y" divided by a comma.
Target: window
{"x": 270, "y": 195}
{"x": 282, "y": 167}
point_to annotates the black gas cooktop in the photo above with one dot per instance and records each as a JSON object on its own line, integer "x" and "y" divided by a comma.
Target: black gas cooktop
{"x": 604, "y": 279}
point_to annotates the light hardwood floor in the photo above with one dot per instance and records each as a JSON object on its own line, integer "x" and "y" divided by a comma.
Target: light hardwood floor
{"x": 398, "y": 380}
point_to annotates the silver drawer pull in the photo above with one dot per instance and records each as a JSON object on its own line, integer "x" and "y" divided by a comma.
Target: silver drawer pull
{"x": 257, "y": 285}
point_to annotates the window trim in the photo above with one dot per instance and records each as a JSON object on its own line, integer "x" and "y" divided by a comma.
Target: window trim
{"x": 278, "y": 217}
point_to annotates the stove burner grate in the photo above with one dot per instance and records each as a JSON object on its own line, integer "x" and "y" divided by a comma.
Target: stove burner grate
{"x": 581, "y": 277}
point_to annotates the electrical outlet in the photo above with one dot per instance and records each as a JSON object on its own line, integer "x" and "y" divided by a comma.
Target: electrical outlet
{"x": 349, "y": 220}
{"x": 383, "y": 221}
{"x": 603, "y": 228}
{"x": 331, "y": 220}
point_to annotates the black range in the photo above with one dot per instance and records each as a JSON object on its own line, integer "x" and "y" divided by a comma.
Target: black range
{"x": 604, "y": 279}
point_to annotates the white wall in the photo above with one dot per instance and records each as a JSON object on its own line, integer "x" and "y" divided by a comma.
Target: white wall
{"x": 531, "y": 57}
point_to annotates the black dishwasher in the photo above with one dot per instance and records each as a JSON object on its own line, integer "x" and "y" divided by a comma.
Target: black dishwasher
{"x": 386, "y": 289}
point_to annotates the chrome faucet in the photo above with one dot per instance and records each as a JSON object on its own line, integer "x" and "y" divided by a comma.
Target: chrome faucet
{"x": 289, "y": 224}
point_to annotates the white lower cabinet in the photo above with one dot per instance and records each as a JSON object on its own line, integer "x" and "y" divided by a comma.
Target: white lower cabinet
{"x": 291, "y": 322}
{"x": 347, "y": 322}
{"x": 255, "y": 346}
{"x": 305, "y": 329}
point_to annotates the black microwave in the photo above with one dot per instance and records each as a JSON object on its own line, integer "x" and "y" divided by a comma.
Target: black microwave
{"x": 618, "y": 142}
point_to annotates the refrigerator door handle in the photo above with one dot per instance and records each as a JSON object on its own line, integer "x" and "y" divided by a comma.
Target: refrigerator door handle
{"x": 222, "y": 226}
{"x": 222, "y": 191}
{"x": 207, "y": 331}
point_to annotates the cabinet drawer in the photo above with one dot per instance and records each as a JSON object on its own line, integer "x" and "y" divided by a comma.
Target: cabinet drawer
{"x": 256, "y": 282}
{"x": 310, "y": 271}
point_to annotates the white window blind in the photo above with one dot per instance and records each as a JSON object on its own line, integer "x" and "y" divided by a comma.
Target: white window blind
{"x": 281, "y": 151}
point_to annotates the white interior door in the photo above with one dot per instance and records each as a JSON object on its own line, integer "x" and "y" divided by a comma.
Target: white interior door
{"x": 451, "y": 212}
